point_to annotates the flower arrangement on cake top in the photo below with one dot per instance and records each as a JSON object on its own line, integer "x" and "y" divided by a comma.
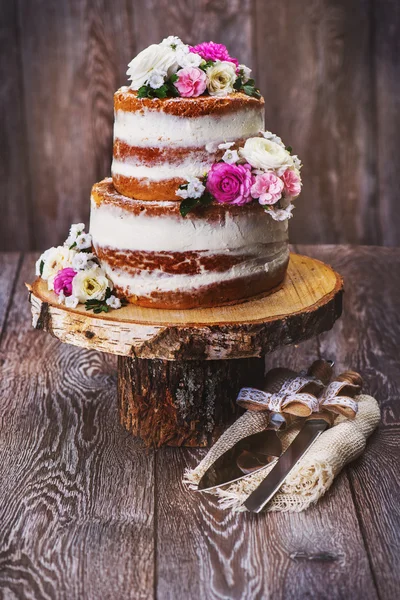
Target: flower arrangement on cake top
{"x": 73, "y": 272}
{"x": 263, "y": 169}
{"x": 172, "y": 69}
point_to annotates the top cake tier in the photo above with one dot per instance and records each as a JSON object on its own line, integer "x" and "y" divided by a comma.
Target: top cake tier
{"x": 161, "y": 143}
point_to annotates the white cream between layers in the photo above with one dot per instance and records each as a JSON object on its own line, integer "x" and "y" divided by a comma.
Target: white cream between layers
{"x": 120, "y": 229}
{"x": 184, "y": 170}
{"x": 158, "y": 129}
{"x": 147, "y": 282}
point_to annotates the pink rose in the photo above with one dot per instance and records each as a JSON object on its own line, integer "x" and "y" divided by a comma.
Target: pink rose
{"x": 212, "y": 51}
{"x": 267, "y": 188}
{"x": 292, "y": 182}
{"x": 63, "y": 281}
{"x": 191, "y": 82}
{"x": 230, "y": 184}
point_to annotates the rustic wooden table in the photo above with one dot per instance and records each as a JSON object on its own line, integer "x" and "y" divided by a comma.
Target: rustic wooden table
{"x": 86, "y": 512}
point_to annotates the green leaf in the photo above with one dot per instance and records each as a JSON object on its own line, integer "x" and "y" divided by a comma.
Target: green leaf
{"x": 206, "y": 199}
{"x": 187, "y": 205}
{"x": 161, "y": 92}
{"x": 73, "y": 246}
{"x": 41, "y": 266}
{"x": 289, "y": 149}
{"x": 238, "y": 84}
{"x": 250, "y": 90}
{"x": 174, "y": 77}
{"x": 172, "y": 90}
{"x": 206, "y": 64}
{"x": 142, "y": 91}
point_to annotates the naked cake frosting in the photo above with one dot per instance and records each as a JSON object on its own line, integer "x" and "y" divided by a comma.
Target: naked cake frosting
{"x": 196, "y": 211}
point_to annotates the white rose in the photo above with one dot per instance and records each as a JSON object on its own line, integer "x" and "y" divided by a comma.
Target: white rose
{"x": 56, "y": 259}
{"x": 90, "y": 285}
{"x": 220, "y": 78}
{"x": 161, "y": 58}
{"x": 265, "y": 154}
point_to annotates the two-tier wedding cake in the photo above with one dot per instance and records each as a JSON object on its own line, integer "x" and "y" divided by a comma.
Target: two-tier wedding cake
{"x": 196, "y": 211}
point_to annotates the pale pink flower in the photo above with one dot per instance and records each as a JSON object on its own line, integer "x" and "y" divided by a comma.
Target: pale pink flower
{"x": 292, "y": 182}
{"x": 267, "y": 188}
{"x": 191, "y": 82}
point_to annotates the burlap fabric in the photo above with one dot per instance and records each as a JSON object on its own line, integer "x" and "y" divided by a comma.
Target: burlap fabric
{"x": 315, "y": 472}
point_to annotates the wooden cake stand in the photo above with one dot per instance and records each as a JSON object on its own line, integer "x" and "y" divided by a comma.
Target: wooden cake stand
{"x": 177, "y": 380}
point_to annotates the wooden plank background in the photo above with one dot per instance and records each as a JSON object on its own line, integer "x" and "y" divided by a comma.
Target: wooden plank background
{"x": 329, "y": 71}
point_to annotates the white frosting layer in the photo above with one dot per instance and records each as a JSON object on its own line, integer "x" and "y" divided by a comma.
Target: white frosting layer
{"x": 148, "y": 282}
{"x": 120, "y": 229}
{"x": 158, "y": 129}
{"x": 184, "y": 170}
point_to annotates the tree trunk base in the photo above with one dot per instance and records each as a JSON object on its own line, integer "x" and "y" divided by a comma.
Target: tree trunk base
{"x": 182, "y": 403}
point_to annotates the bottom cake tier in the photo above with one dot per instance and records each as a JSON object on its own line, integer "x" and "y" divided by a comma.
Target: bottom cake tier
{"x": 216, "y": 255}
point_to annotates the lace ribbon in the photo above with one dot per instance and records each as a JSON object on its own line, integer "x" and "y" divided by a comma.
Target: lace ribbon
{"x": 289, "y": 394}
{"x": 331, "y": 399}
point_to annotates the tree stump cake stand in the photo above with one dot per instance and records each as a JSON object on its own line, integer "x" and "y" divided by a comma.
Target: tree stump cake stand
{"x": 179, "y": 371}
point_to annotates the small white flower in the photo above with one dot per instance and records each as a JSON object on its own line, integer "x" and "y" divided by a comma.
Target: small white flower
{"x": 230, "y": 157}
{"x": 173, "y": 41}
{"x": 188, "y": 59}
{"x": 220, "y": 78}
{"x": 82, "y": 260}
{"x": 61, "y": 297}
{"x": 71, "y": 301}
{"x": 274, "y": 138}
{"x": 90, "y": 284}
{"x": 245, "y": 73}
{"x": 75, "y": 230}
{"x": 83, "y": 241}
{"x": 156, "y": 79}
{"x": 281, "y": 214}
{"x": 113, "y": 302}
{"x": 195, "y": 188}
{"x": 182, "y": 193}
{"x": 226, "y": 145}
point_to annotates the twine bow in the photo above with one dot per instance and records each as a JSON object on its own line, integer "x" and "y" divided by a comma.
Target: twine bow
{"x": 336, "y": 398}
{"x": 288, "y": 399}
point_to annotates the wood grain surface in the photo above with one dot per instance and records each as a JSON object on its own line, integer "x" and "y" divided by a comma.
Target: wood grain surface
{"x": 308, "y": 302}
{"x": 77, "y": 492}
{"x": 87, "y": 513}
{"x": 329, "y": 71}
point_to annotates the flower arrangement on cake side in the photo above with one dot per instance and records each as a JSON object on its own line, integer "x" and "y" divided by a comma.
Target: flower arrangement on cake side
{"x": 172, "y": 69}
{"x": 73, "y": 272}
{"x": 263, "y": 169}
